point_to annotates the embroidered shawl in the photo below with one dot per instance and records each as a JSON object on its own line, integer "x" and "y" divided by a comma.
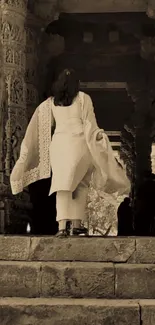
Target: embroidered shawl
{"x": 34, "y": 163}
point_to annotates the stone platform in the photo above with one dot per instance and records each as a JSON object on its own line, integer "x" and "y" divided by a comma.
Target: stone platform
{"x": 95, "y": 280}
{"x": 92, "y": 249}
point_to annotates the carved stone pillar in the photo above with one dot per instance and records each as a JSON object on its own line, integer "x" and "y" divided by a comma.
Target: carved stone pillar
{"x": 13, "y": 38}
{"x": 138, "y": 141}
{"x": 142, "y": 125}
{"x": 3, "y": 119}
{"x": 14, "y": 45}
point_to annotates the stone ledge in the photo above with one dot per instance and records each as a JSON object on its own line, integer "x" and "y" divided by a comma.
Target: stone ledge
{"x": 68, "y": 311}
{"x": 20, "y": 279}
{"x": 92, "y": 249}
{"x": 135, "y": 281}
{"x": 14, "y": 248}
{"x": 77, "y": 279}
{"x": 147, "y": 312}
{"x": 145, "y": 251}
{"x": 35, "y": 279}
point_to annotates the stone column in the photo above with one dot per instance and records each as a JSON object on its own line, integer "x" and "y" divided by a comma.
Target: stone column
{"x": 14, "y": 45}
{"x": 137, "y": 143}
{"x": 141, "y": 125}
{"x": 13, "y": 38}
{"x": 3, "y": 119}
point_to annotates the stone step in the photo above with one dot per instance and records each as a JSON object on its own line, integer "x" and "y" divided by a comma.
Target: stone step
{"x": 91, "y": 249}
{"x": 77, "y": 279}
{"x": 17, "y": 311}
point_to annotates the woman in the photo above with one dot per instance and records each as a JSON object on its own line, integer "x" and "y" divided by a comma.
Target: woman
{"x": 78, "y": 148}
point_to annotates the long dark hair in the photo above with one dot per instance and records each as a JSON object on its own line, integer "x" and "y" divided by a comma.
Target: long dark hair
{"x": 65, "y": 88}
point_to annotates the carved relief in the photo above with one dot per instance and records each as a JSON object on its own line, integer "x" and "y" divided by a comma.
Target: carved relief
{"x": 9, "y": 56}
{"x": 16, "y": 4}
{"x": 16, "y": 142}
{"x": 7, "y": 144}
{"x": 17, "y": 91}
{"x": 33, "y": 35}
{"x": 3, "y": 118}
{"x": 13, "y": 32}
{"x": 13, "y": 38}
{"x": 14, "y": 57}
{"x": 23, "y": 59}
{"x": 17, "y": 59}
{"x": 6, "y": 29}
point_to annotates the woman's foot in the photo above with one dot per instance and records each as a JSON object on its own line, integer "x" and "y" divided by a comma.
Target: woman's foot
{"x": 79, "y": 231}
{"x": 62, "y": 233}
{"x": 64, "y": 226}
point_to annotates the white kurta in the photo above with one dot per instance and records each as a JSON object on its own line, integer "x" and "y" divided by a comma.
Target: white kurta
{"x": 69, "y": 154}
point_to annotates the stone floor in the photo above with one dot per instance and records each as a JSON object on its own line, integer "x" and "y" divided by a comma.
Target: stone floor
{"x": 98, "y": 281}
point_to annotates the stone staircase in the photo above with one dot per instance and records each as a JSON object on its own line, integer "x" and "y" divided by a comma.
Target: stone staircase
{"x": 92, "y": 281}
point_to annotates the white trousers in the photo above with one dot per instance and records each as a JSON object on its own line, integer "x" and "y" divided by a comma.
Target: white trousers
{"x": 72, "y": 205}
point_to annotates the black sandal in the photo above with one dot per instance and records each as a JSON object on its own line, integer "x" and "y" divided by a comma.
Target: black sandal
{"x": 79, "y": 231}
{"x": 62, "y": 233}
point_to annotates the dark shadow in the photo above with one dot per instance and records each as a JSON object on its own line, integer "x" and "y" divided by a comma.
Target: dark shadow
{"x": 144, "y": 218}
{"x": 43, "y": 215}
{"x": 125, "y": 220}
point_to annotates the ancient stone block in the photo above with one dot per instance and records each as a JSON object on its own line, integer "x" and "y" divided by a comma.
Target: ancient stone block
{"x": 18, "y": 279}
{"x": 82, "y": 249}
{"x": 145, "y": 251}
{"x": 14, "y": 248}
{"x": 68, "y": 312}
{"x": 135, "y": 281}
{"x": 147, "y": 312}
{"x": 95, "y": 280}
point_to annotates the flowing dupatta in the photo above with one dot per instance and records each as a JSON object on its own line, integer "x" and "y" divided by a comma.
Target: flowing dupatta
{"x": 107, "y": 175}
{"x": 34, "y": 163}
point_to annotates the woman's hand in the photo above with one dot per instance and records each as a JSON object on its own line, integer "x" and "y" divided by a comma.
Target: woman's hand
{"x": 99, "y": 136}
